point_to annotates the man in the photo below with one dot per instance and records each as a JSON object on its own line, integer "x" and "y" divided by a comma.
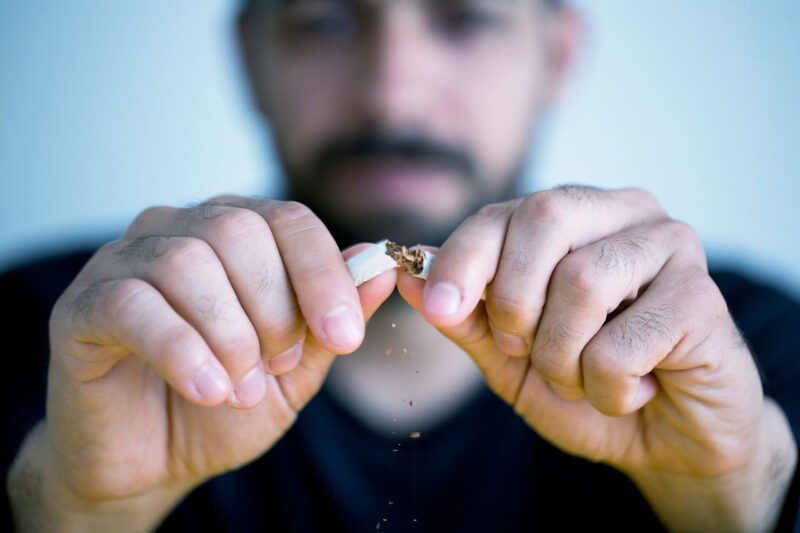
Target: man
{"x": 610, "y": 384}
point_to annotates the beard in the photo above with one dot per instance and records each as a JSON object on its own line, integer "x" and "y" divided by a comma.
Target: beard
{"x": 313, "y": 188}
{"x": 406, "y": 227}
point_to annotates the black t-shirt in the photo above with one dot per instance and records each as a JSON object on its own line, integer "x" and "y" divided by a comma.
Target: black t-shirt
{"x": 483, "y": 469}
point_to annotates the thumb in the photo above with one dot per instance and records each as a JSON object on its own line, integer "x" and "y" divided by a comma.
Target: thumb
{"x": 304, "y": 380}
{"x": 504, "y": 374}
{"x": 573, "y": 425}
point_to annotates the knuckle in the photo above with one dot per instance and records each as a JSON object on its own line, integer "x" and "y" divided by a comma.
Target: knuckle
{"x": 183, "y": 254}
{"x": 186, "y": 219}
{"x": 108, "y": 248}
{"x": 143, "y": 219}
{"x": 577, "y": 193}
{"x": 713, "y": 297}
{"x": 602, "y": 375}
{"x": 547, "y": 207}
{"x": 549, "y": 366}
{"x": 681, "y": 232}
{"x": 600, "y": 361}
{"x": 578, "y": 278}
{"x": 237, "y": 222}
{"x": 125, "y": 295}
{"x": 492, "y": 211}
{"x": 652, "y": 328}
{"x": 222, "y": 200}
{"x": 557, "y": 338}
{"x": 98, "y": 265}
{"x": 696, "y": 281}
{"x": 289, "y": 211}
{"x": 283, "y": 333}
{"x": 243, "y": 348}
{"x": 83, "y": 303}
{"x": 643, "y": 195}
{"x": 141, "y": 249}
{"x": 646, "y": 198}
{"x": 697, "y": 285}
{"x": 618, "y": 254}
{"x": 551, "y": 351}
{"x": 287, "y": 324}
{"x": 253, "y": 203}
{"x": 74, "y": 310}
{"x": 511, "y": 314}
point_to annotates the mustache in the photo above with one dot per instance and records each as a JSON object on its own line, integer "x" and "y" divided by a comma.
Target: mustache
{"x": 405, "y": 147}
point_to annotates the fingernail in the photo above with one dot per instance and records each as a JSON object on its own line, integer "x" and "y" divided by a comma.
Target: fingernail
{"x": 443, "y": 299}
{"x": 342, "y": 327}
{"x": 250, "y": 390}
{"x": 511, "y": 344}
{"x": 211, "y": 382}
{"x": 286, "y": 360}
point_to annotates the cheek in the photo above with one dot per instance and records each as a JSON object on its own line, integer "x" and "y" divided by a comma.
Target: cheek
{"x": 312, "y": 96}
{"x": 496, "y": 94}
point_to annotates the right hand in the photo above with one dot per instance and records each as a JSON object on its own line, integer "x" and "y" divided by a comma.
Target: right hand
{"x": 160, "y": 345}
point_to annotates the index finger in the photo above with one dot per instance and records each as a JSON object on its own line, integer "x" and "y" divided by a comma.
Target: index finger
{"x": 325, "y": 291}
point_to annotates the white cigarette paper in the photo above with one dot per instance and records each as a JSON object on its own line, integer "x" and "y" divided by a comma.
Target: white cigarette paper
{"x": 370, "y": 263}
{"x": 375, "y": 260}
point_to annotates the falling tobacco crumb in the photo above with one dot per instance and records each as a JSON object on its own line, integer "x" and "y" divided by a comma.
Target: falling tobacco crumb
{"x": 394, "y": 325}
{"x": 389, "y": 351}
{"x": 410, "y": 259}
{"x": 411, "y": 403}
{"x": 415, "y": 435}
{"x": 405, "y": 351}
{"x": 391, "y": 502}
{"x": 417, "y": 371}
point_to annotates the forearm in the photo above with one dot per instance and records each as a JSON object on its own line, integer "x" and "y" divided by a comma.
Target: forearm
{"x": 41, "y": 503}
{"x": 746, "y": 500}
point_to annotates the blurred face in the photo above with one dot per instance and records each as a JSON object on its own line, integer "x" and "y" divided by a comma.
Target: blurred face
{"x": 398, "y": 118}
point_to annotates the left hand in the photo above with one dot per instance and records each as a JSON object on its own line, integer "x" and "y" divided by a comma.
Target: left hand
{"x": 602, "y": 328}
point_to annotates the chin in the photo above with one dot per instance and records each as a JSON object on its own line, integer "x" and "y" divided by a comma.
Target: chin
{"x": 352, "y": 218}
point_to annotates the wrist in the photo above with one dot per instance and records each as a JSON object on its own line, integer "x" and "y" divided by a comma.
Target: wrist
{"x": 747, "y": 499}
{"x": 41, "y": 501}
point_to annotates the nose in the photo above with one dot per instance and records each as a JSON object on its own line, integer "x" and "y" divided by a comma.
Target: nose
{"x": 399, "y": 76}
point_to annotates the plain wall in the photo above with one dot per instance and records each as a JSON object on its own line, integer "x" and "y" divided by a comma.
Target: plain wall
{"x": 107, "y": 108}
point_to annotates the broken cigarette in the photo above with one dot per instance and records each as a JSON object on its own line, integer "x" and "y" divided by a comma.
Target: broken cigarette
{"x": 386, "y": 255}
{"x": 370, "y": 263}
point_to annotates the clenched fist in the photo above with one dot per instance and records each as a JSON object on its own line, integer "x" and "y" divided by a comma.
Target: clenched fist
{"x": 604, "y": 331}
{"x": 186, "y": 349}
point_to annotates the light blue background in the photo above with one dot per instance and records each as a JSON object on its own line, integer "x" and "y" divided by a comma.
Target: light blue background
{"x": 109, "y": 107}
